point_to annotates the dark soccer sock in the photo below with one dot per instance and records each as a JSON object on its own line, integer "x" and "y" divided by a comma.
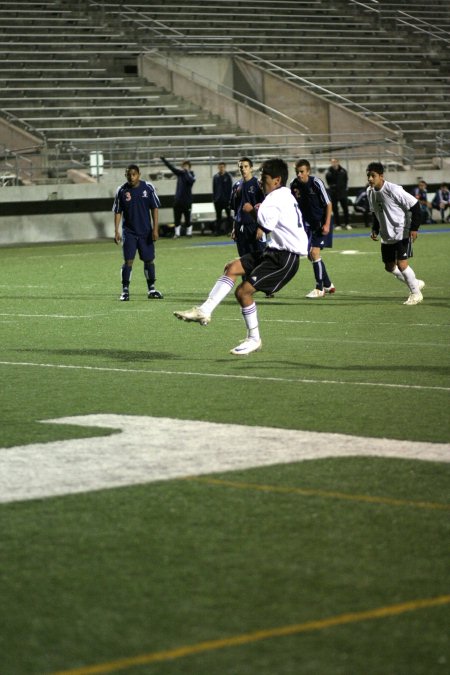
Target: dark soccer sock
{"x": 149, "y": 271}
{"x": 318, "y": 273}
{"x": 325, "y": 277}
{"x": 126, "y": 275}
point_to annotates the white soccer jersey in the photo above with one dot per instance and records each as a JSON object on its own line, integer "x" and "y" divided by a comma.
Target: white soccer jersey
{"x": 391, "y": 206}
{"x": 279, "y": 214}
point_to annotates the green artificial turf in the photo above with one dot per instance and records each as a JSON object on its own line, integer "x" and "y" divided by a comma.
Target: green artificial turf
{"x": 122, "y": 573}
{"x": 98, "y": 577}
{"x": 60, "y": 308}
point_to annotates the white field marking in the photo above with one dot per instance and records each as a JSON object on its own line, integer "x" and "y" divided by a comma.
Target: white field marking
{"x": 365, "y": 342}
{"x": 146, "y": 309}
{"x": 224, "y": 376}
{"x": 52, "y": 316}
{"x": 85, "y": 254}
{"x": 152, "y": 449}
{"x": 354, "y": 323}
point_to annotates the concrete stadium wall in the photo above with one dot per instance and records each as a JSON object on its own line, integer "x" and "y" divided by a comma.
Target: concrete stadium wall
{"x": 208, "y": 82}
{"x": 211, "y": 81}
{"x": 31, "y": 160}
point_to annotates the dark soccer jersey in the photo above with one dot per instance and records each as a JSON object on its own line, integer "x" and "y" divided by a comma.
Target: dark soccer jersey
{"x": 243, "y": 192}
{"x": 134, "y": 204}
{"x": 312, "y": 198}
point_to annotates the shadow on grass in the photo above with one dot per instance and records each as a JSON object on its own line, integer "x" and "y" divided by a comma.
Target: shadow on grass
{"x": 123, "y": 355}
{"x": 309, "y": 369}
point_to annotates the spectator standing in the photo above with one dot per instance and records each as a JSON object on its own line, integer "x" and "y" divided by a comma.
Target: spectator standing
{"x": 136, "y": 207}
{"x": 245, "y": 196}
{"x": 222, "y": 186}
{"x": 441, "y": 200}
{"x": 421, "y": 194}
{"x": 267, "y": 271}
{"x": 337, "y": 181}
{"x": 182, "y": 205}
{"x": 396, "y": 215}
{"x": 315, "y": 205}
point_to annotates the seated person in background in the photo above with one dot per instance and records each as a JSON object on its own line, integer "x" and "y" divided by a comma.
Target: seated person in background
{"x": 421, "y": 194}
{"x": 441, "y": 201}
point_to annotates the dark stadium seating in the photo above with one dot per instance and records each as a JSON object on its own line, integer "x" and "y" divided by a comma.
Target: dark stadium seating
{"x": 70, "y": 68}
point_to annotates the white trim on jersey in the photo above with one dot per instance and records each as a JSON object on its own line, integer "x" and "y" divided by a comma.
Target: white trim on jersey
{"x": 391, "y": 206}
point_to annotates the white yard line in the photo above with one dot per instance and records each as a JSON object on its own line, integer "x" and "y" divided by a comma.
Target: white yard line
{"x": 152, "y": 449}
{"x": 226, "y": 376}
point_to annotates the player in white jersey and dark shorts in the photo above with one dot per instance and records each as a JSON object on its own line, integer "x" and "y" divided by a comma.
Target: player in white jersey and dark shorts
{"x": 396, "y": 215}
{"x": 136, "y": 205}
{"x": 267, "y": 271}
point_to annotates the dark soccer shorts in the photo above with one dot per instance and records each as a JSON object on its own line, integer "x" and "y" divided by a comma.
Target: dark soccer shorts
{"x": 316, "y": 238}
{"x": 132, "y": 243}
{"x": 271, "y": 270}
{"x": 399, "y": 250}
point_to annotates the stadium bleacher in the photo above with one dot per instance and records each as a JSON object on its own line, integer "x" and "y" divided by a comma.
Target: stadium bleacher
{"x": 71, "y": 76}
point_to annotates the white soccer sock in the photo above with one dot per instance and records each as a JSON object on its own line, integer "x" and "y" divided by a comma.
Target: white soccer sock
{"x": 250, "y": 315}
{"x": 410, "y": 279}
{"x": 218, "y": 292}
{"x": 399, "y": 274}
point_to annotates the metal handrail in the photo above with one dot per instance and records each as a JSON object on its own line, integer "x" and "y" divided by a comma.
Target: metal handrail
{"x": 223, "y": 89}
{"x": 128, "y": 12}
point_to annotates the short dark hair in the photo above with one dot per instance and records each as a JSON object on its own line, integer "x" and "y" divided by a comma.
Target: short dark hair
{"x": 276, "y": 168}
{"x": 302, "y": 162}
{"x": 376, "y": 167}
{"x": 186, "y": 161}
{"x": 246, "y": 159}
{"x": 133, "y": 167}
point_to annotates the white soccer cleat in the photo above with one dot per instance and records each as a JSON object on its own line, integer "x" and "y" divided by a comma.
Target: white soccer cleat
{"x": 421, "y": 284}
{"x": 329, "y": 289}
{"x": 194, "y": 314}
{"x": 414, "y": 299}
{"x": 246, "y": 347}
{"x": 316, "y": 293}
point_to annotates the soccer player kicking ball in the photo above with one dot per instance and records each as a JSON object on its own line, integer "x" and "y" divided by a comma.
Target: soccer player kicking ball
{"x": 397, "y": 219}
{"x": 267, "y": 271}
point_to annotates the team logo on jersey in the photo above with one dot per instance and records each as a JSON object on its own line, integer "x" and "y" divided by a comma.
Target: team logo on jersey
{"x": 144, "y": 194}
{"x": 128, "y": 196}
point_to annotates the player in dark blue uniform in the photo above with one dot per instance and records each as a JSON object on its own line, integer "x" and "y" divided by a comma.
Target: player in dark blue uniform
{"x": 136, "y": 206}
{"x": 245, "y": 195}
{"x": 315, "y": 205}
